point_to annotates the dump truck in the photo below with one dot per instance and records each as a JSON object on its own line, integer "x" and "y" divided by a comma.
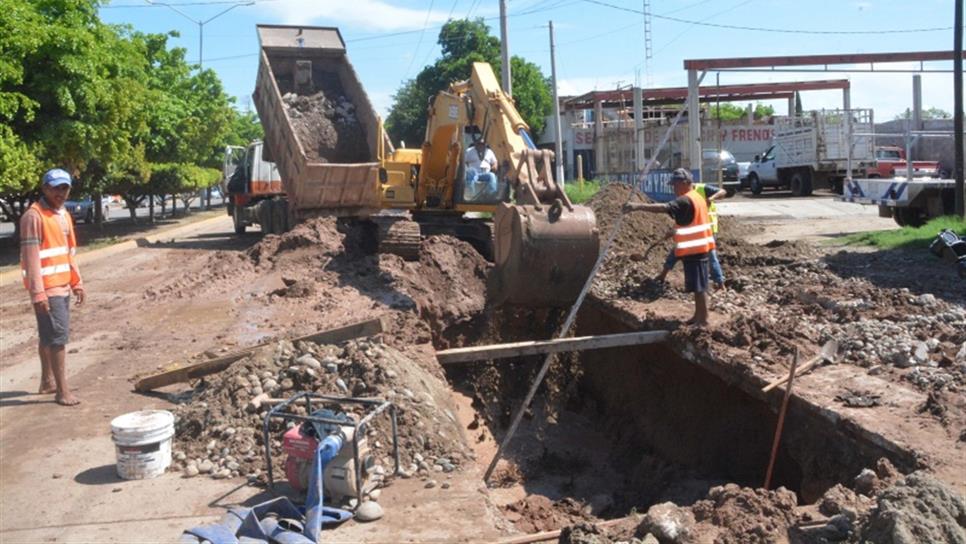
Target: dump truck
{"x": 335, "y": 159}
{"x": 812, "y": 151}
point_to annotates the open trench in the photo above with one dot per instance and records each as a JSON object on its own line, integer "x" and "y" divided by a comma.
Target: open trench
{"x": 617, "y": 430}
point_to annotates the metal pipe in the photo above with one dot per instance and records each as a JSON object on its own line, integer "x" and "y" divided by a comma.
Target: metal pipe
{"x": 960, "y": 194}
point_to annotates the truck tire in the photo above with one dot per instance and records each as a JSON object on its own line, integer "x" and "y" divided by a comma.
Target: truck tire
{"x": 264, "y": 214}
{"x": 909, "y": 217}
{"x": 801, "y": 183}
{"x": 279, "y": 216}
{"x": 754, "y": 184}
{"x": 237, "y": 220}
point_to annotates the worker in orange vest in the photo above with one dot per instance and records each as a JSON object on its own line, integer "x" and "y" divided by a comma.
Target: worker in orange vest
{"x": 693, "y": 237}
{"x": 50, "y": 274}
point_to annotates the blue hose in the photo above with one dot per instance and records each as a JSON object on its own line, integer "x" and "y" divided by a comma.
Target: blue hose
{"x": 325, "y": 452}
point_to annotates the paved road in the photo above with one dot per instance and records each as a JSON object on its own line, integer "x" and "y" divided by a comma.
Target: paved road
{"x": 783, "y": 206}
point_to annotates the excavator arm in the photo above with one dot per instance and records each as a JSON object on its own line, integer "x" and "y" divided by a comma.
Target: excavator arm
{"x": 544, "y": 245}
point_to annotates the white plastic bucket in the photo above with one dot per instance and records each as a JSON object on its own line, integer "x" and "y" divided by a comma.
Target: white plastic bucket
{"x": 142, "y": 441}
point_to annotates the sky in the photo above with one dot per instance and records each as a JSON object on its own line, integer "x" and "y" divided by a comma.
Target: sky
{"x": 600, "y": 43}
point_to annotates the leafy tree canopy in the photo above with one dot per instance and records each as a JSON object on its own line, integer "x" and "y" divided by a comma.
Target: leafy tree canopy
{"x": 463, "y": 42}
{"x": 728, "y": 111}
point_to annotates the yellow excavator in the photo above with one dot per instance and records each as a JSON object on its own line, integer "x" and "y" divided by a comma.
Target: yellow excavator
{"x": 543, "y": 245}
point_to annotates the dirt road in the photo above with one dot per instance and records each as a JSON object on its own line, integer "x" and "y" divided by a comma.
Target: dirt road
{"x": 207, "y": 290}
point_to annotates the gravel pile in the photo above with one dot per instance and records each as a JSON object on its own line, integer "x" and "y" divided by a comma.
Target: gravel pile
{"x": 219, "y": 431}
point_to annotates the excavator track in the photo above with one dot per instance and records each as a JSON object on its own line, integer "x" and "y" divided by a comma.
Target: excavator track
{"x": 398, "y": 236}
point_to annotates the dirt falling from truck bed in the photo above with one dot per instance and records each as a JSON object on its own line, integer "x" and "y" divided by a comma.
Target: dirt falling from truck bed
{"x": 326, "y": 123}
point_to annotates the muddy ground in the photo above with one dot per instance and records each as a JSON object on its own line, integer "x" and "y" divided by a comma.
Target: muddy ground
{"x": 569, "y": 467}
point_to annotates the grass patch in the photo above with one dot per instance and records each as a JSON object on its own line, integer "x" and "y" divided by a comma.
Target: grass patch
{"x": 907, "y": 237}
{"x": 579, "y": 193}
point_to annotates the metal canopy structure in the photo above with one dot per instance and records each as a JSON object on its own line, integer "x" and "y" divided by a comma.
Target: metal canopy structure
{"x": 697, "y": 68}
{"x": 775, "y": 64}
{"x": 724, "y": 93}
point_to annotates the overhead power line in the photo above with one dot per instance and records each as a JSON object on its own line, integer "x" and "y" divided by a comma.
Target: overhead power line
{"x": 773, "y": 30}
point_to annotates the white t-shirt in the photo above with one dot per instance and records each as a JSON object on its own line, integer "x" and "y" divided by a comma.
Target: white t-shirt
{"x": 481, "y": 164}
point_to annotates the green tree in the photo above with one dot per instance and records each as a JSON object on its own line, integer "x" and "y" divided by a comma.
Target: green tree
{"x": 245, "y": 128}
{"x": 928, "y": 113}
{"x": 463, "y": 42}
{"x": 77, "y": 99}
{"x": 729, "y": 112}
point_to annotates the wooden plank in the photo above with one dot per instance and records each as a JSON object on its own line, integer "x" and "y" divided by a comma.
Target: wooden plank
{"x": 534, "y": 347}
{"x": 179, "y": 374}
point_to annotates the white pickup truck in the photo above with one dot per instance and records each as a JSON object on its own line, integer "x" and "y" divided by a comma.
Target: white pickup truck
{"x": 812, "y": 151}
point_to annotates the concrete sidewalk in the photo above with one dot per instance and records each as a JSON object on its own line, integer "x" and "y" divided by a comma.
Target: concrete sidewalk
{"x": 794, "y": 208}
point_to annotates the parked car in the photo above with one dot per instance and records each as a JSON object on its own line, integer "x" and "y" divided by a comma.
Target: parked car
{"x": 743, "y": 169}
{"x": 83, "y": 210}
{"x": 712, "y": 161}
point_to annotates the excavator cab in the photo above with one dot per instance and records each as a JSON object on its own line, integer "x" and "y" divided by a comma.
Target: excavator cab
{"x": 544, "y": 246}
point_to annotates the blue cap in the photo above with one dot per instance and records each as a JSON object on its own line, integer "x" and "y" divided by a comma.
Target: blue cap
{"x": 681, "y": 175}
{"x": 56, "y": 176}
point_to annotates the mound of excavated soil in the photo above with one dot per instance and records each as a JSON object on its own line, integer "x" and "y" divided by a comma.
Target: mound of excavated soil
{"x": 917, "y": 509}
{"x": 219, "y": 427}
{"x": 220, "y": 430}
{"x": 787, "y": 294}
{"x": 326, "y": 123}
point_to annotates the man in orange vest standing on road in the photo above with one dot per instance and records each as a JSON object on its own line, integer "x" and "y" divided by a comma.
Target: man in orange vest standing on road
{"x": 693, "y": 237}
{"x": 50, "y": 274}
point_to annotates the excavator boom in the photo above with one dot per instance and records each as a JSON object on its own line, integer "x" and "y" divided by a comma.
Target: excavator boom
{"x": 544, "y": 245}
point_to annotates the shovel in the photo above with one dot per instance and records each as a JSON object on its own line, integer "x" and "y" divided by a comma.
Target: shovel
{"x": 829, "y": 353}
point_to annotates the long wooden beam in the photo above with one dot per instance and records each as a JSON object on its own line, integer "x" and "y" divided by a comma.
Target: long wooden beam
{"x": 179, "y": 373}
{"x": 535, "y": 347}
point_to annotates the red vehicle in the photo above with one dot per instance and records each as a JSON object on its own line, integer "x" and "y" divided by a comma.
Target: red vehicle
{"x": 890, "y": 161}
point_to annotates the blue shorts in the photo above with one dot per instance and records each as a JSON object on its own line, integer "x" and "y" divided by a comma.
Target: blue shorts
{"x": 55, "y": 324}
{"x": 695, "y": 274}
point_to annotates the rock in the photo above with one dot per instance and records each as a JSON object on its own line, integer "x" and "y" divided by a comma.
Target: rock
{"x": 430, "y": 484}
{"x": 269, "y": 385}
{"x": 341, "y": 385}
{"x": 309, "y": 361}
{"x": 391, "y": 374}
{"x": 368, "y": 511}
{"x": 649, "y": 539}
{"x": 287, "y": 384}
{"x": 926, "y": 299}
{"x": 668, "y": 522}
{"x": 353, "y": 502}
{"x": 445, "y": 485}
{"x": 921, "y": 353}
{"x": 180, "y": 456}
{"x": 865, "y": 482}
{"x": 961, "y": 356}
{"x": 191, "y": 471}
{"x": 221, "y": 474}
{"x": 206, "y": 466}
{"x": 232, "y": 465}
{"x": 374, "y": 494}
{"x": 332, "y": 368}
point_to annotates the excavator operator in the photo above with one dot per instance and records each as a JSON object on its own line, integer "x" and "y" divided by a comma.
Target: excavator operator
{"x": 481, "y": 181}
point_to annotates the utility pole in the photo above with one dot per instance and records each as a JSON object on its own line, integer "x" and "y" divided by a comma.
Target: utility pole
{"x": 505, "y": 52}
{"x": 958, "y": 105}
{"x": 558, "y": 139}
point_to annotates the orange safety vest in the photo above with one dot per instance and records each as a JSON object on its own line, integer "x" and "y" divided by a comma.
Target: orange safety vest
{"x": 56, "y": 250}
{"x": 696, "y": 237}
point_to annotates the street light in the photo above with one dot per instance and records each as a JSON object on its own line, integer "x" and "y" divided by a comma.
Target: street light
{"x": 201, "y": 23}
{"x": 201, "y": 46}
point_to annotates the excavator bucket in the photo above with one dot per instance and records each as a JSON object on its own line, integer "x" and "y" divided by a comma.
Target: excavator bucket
{"x": 543, "y": 254}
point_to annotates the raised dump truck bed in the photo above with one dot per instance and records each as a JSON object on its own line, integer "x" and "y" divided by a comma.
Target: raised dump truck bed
{"x": 320, "y": 128}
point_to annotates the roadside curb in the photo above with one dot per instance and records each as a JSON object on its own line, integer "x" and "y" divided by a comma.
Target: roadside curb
{"x": 87, "y": 257}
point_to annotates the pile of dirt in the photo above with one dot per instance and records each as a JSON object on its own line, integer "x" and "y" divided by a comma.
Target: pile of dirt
{"x": 916, "y": 509}
{"x": 319, "y": 235}
{"x": 221, "y": 268}
{"x": 219, "y": 430}
{"x": 326, "y": 123}
{"x": 784, "y": 295}
{"x": 536, "y": 513}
